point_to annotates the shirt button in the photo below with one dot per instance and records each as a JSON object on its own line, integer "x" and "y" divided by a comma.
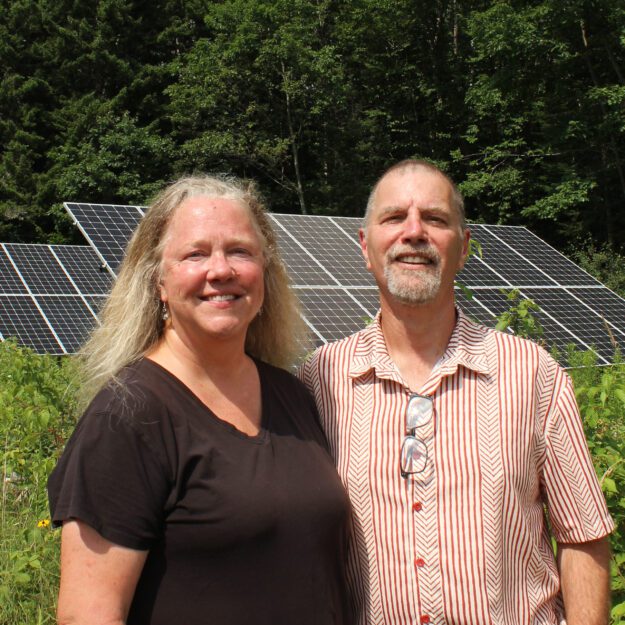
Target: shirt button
{"x": 419, "y": 562}
{"x": 425, "y": 618}
{"x": 417, "y": 507}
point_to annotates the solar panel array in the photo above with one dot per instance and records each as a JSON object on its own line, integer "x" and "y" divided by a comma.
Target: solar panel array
{"x": 49, "y": 294}
{"x": 338, "y": 295}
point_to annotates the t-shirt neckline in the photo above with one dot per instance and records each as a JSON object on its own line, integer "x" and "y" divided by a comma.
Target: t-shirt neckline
{"x": 187, "y": 392}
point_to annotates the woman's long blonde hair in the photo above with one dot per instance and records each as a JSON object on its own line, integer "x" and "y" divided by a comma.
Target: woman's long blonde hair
{"x": 131, "y": 318}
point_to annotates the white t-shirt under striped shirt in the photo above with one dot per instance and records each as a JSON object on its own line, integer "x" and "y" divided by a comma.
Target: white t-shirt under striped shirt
{"x": 467, "y": 541}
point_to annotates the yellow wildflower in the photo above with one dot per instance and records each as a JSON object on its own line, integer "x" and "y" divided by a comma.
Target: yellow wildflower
{"x": 43, "y": 523}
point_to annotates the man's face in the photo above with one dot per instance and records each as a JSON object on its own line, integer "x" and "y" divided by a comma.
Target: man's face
{"x": 414, "y": 243}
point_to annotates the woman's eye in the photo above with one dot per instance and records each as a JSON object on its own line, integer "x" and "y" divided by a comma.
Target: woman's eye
{"x": 197, "y": 255}
{"x": 241, "y": 251}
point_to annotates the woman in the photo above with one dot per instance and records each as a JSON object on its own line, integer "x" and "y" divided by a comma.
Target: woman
{"x": 197, "y": 487}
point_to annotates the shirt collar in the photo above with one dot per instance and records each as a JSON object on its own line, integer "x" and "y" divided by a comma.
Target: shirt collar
{"x": 465, "y": 348}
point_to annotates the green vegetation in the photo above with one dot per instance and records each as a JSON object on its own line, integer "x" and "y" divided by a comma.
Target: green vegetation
{"x": 600, "y": 394}
{"x": 37, "y": 413}
{"x": 522, "y": 101}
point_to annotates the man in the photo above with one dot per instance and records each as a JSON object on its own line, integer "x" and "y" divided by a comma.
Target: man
{"x": 461, "y": 447}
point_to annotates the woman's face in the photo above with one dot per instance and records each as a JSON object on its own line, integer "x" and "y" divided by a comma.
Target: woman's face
{"x": 212, "y": 274}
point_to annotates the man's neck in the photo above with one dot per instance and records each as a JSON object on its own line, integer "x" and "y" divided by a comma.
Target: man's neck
{"x": 416, "y": 337}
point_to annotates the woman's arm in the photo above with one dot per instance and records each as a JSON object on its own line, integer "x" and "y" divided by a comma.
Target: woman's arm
{"x": 98, "y": 578}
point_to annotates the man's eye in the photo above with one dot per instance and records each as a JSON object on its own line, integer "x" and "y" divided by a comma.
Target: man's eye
{"x": 392, "y": 219}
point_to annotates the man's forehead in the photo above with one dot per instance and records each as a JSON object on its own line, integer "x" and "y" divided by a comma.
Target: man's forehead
{"x": 405, "y": 182}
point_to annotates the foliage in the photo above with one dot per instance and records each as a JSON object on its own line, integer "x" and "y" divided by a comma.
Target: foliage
{"x": 520, "y": 318}
{"x": 604, "y": 262}
{"x": 600, "y": 393}
{"x": 545, "y": 122}
{"x": 521, "y": 101}
{"x": 36, "y": 416}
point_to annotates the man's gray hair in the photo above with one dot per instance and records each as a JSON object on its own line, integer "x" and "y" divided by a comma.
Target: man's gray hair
{"x": 410, "y": 164}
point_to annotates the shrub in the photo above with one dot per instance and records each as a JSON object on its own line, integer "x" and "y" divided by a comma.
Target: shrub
{"x": 37, "y": 412}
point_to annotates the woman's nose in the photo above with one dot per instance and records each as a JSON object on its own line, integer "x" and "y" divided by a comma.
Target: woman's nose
{"x": 218, "y": 267}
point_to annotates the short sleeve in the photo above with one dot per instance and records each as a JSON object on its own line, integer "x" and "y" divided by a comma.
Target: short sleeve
{"x": 577, "y": 508}
{"x": 112, "y": 478}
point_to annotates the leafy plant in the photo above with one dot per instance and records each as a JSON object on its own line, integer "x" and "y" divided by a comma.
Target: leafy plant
{"x": 36, "y": 416}
{"x": 520, "y": 317}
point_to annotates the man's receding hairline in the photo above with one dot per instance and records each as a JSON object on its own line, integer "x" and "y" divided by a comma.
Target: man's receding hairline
{"x": 407, "y": 166}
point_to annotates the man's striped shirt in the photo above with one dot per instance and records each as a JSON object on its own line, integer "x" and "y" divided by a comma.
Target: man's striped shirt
{"x": 467, "y": 541}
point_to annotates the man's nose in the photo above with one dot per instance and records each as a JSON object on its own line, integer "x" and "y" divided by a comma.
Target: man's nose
{"x": 414, "y": 227}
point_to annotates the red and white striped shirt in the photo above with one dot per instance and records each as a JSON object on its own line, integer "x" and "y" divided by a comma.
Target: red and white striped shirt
{"x": 466, "y": 541}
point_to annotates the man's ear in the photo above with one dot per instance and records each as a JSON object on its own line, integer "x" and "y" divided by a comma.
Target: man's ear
{"x": 465, "y": 247}
{"x": 363, "y": 246}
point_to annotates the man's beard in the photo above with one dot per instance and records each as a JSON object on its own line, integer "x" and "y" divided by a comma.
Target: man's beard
{"x": 413, "y": 287}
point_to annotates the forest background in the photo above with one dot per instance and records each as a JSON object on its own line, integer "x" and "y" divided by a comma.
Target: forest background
{"x": 104, "y": 101}
{"x": 521, "y": 101}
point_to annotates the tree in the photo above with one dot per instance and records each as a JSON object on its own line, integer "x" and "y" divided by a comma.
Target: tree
{"x": 545, "y": 122}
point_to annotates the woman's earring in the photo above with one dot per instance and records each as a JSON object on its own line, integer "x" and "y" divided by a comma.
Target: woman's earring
{"x": 260, "y": 311}
{"x": 164, "y": 312}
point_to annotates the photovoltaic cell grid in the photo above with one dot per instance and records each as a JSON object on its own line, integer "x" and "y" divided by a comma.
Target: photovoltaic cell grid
{"x": 107, "y": 227}
{"x": 48, "y": 295}
{"x": 338, "y": 295}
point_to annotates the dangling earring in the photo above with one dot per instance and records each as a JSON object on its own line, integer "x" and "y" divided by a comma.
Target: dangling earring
{"x": 164, "y": 312}
{"x": 260, "y": 311}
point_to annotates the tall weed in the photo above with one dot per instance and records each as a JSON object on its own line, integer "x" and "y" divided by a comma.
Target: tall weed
{"x": 37, "y": 412}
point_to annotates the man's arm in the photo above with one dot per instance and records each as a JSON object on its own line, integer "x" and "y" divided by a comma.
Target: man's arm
{"x": 585, "y": 581}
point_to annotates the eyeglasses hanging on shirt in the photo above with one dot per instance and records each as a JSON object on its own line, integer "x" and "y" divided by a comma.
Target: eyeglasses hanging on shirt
{"x": 414, "y": 451}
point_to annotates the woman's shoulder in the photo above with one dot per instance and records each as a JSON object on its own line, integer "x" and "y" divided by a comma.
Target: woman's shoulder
{"x": 142, "y": 397}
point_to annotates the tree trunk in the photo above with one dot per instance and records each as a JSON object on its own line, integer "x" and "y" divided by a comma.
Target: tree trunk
{"x": 293, "y": 136}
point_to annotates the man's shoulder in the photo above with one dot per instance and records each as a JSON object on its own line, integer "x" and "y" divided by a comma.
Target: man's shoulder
{"x": 339, "y": 349}
{"x": 505, "y": 349}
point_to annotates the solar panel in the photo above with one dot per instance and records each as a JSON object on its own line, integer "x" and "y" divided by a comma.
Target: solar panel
{"x": 44, "y": 291}
{"x": 324, "y": 242}
{"x": 107, "y": 227}
{"x": 324, "y": 262}
{"x": 84, "y": 268}
{"x": 39, "y": 269}
{"x": 10, "y": 280}
{"x": 21, "y": 318}
{"x": 333, "y": 314}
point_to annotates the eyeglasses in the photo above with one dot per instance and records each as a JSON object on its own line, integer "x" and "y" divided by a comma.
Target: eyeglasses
{"x": 414, "y": 451}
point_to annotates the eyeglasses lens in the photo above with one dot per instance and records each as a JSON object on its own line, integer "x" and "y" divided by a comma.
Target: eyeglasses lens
{"x": 414, "y": 455}
{"x": 418, "y": 412}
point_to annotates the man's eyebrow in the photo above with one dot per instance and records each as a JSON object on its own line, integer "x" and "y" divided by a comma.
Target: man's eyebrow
{"x": 384, "y": 210}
